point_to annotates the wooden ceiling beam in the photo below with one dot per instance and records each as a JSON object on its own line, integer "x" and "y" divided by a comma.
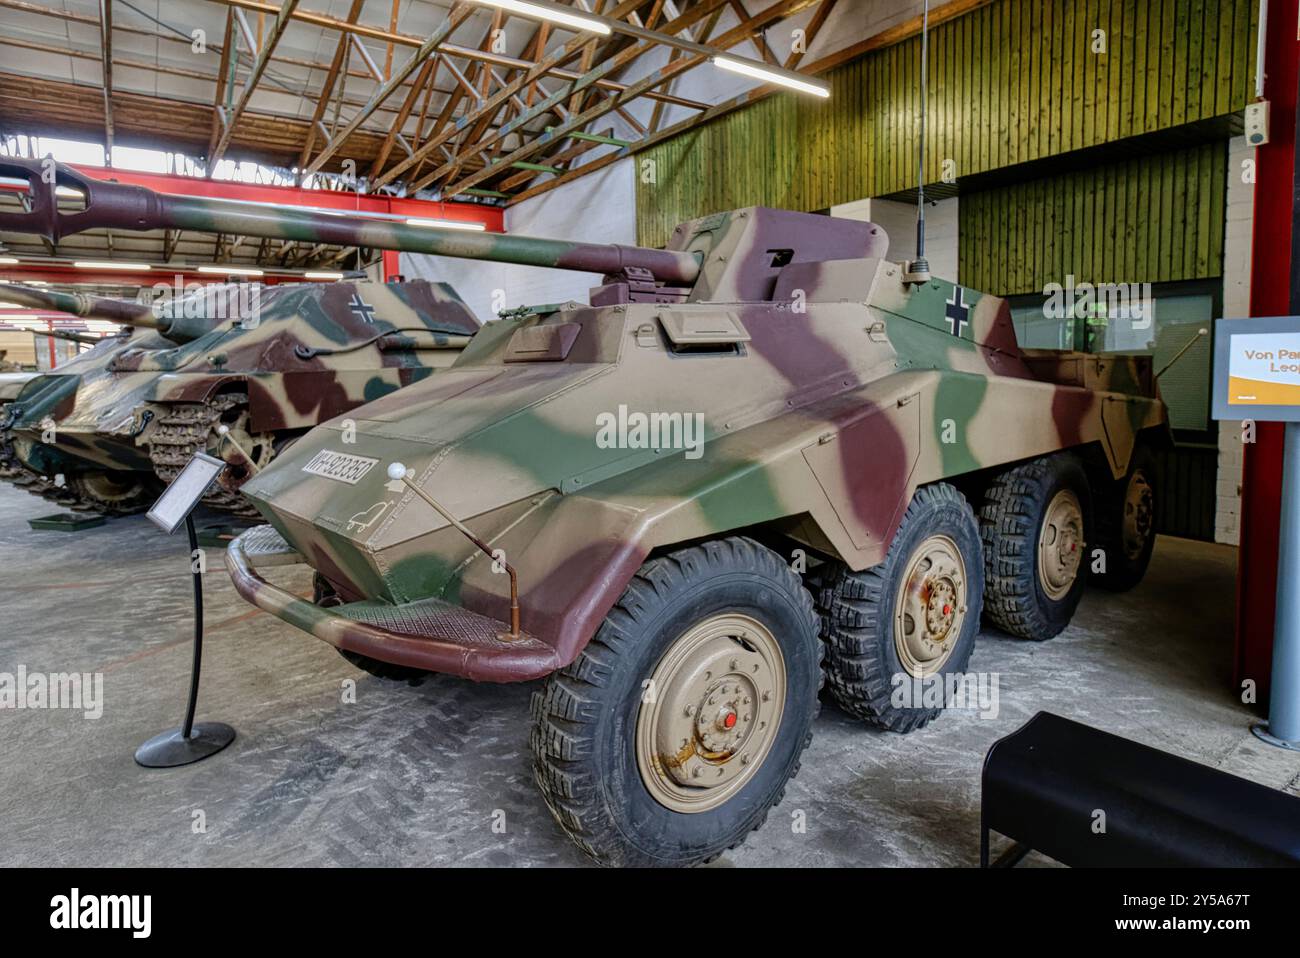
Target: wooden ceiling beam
{"x": 810, "y": 32}
{"x": 218, "y": 111}
{"x": 282, "y": 18}
{"x": 106, "y": 69}
{"x": 570, "y": 49}
{"x": 327, "y": 87}
{"x": 428, "y": 71}
{"x": 60, "y": 108}
{"x": 737, "y": 34}
{"x": 458, "y": 15}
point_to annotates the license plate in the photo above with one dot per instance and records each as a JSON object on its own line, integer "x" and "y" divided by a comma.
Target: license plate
{"x": 339, "y": 466}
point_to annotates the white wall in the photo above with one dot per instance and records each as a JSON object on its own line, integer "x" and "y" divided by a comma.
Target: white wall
{"x": 1236, "y": 303}
{"x": 899, "y": 222}
{"x": 597, "y": 208}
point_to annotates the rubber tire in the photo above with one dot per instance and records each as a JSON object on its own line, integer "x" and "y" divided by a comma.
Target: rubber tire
{"x": 584, "y": 718}
{"x": 325, "y": 596}
{"x": 1121, "y": 572}
{"x": 1011, "y": 521}
{"x": 858, "y": 613}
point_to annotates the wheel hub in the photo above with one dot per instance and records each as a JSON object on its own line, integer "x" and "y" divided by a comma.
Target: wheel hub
{"x": 930, "y": 606}
{"x": 259, "y": 447}
{"x": 710, "y": 712}
{"x": 1139, "y": 514}
{"x": 1060, "y": 544}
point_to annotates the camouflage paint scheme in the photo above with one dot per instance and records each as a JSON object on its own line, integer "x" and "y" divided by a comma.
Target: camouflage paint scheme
{"x": 110, "y": 405}
{"x": 830, "y": 389}
{"x": 831, "y": 386}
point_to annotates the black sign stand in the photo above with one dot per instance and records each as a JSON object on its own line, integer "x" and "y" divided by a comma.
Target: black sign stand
{"x": 192, "y": 741}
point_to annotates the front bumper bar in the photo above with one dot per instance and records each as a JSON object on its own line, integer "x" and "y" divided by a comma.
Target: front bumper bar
{"x": 429, "y": 634}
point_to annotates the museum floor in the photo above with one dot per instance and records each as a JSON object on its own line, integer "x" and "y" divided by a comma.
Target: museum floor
{"x": 421, "y": 775}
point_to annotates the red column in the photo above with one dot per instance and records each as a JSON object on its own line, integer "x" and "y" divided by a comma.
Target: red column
{"x": 1261, "y": 480}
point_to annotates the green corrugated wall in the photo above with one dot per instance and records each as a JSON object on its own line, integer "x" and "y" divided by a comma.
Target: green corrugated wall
{"x": 1156, "y": 218}
{"x": 1009, "y": 82}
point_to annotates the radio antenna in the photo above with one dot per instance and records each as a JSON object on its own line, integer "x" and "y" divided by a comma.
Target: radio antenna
{"x": 919, "y": 271}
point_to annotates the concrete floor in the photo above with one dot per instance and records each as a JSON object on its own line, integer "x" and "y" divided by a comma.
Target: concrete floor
{"x": 418, "y": 776}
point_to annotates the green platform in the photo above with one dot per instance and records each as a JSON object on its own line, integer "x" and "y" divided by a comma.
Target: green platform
{"x": 66, "y": 522}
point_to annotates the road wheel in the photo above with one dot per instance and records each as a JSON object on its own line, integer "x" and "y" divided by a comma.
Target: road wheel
{"x": 1035, "y": 524}
{"x": 1126, "y": 524}
{"x": 914, "y": 616}
{"x": 113, "y": 493}
{"x": 675, "y": 731}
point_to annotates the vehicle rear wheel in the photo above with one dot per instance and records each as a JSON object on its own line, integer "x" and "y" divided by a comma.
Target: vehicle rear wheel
{"x": 677, "y": 728}
{"x": 1036, "y": 523}
{"x": 1126, "y": 524}
{"x": 913, "y": 616}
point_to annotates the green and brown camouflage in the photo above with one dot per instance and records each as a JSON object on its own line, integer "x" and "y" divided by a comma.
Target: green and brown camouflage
{"x": 658, "y": 491}
{"x": 266, "y": 363}
{"x": 827, "y": 383}
{"x": 805, "y": 387}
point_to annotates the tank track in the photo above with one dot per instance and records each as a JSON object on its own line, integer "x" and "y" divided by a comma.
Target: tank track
{"x": 185, "y": 429}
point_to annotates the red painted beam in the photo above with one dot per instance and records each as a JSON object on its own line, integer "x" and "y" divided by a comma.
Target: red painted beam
{"x": 1261, "y": 479}
{"x": 64, "y": 273}
{"x": 491, "y": 217}
{"x": 68, "y": 273}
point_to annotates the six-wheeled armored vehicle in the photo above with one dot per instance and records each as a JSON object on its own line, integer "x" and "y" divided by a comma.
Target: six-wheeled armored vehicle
{"x": 760, "y": 459}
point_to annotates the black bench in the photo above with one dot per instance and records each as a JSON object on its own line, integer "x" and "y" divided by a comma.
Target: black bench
{"x": 1044, "y": 784}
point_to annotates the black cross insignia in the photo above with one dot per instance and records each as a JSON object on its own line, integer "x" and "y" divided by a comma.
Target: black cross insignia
{"x": 362, "y": 309}
{"x": 957, "y": 311}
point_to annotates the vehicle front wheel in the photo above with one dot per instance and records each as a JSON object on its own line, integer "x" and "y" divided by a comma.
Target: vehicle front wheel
{"x": 676, "y": 729}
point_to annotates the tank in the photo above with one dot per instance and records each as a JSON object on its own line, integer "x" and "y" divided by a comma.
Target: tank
{"x": 238, "y": 371}
{"x": 764, "y": 459}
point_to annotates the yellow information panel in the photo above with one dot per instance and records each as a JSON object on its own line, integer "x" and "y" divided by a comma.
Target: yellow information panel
{"x": 1257, "y": 369}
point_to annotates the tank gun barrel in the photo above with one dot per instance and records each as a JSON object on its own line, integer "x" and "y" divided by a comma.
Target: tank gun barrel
{"x": 124, "y": 311}
{"x": 122, "y": 206}
{"x": 70, "y": 336}
{"x": 180, "y": 329}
